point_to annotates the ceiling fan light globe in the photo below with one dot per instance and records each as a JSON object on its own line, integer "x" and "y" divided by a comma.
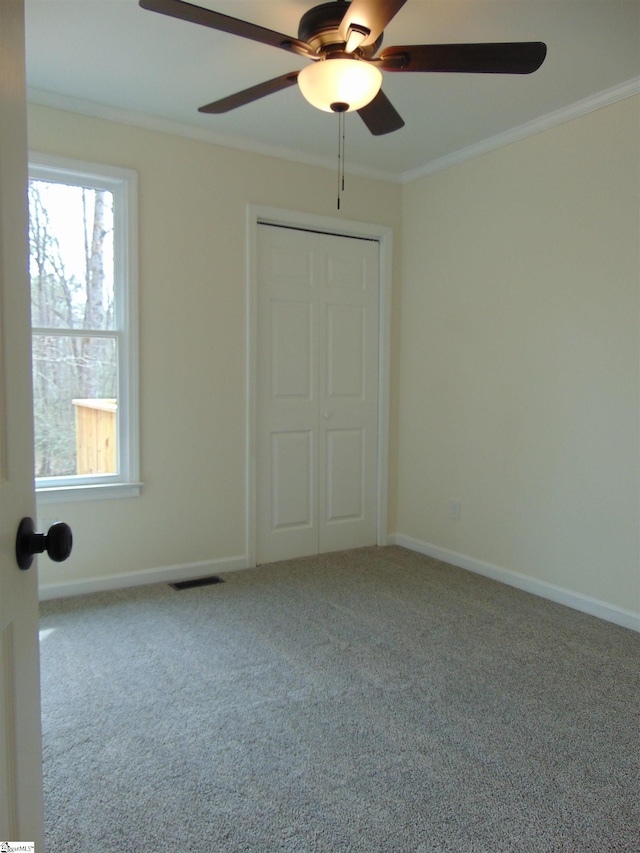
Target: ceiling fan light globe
{"x": 339, "y": 81}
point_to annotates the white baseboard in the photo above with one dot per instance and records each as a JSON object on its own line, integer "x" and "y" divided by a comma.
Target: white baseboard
{"x": 575, "y": 600}
{"x": 188, "y": 571}
{"x": 164, "y": 574}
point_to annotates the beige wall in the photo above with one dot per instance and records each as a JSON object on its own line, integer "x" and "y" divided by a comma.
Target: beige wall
{"x": 519, "y": 358}
{"x": 192, "y": 252}
{"x": 516, "y": 357}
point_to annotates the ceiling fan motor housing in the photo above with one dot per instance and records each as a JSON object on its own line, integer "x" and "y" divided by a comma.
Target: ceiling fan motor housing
{"x": 320, "y": 28}
{"x": 339, "y": 32}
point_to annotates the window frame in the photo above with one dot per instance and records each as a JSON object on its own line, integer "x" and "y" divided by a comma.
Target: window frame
{"x": 123, "y": 183}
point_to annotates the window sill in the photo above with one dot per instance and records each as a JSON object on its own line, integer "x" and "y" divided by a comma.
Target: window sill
{"x": 102, "y": 491}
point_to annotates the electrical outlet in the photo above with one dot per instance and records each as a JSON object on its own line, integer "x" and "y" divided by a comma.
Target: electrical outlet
{"x": 454, "y": 510}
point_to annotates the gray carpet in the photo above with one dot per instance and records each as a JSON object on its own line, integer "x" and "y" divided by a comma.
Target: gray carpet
{"x": 373, "y": 700}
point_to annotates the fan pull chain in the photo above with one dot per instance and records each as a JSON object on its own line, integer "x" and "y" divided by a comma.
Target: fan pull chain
{"x": 341, "y": 148}
{"x": 344, "y": 139}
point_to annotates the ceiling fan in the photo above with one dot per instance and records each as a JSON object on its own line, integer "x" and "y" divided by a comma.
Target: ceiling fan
{"x": 342, "y": 39}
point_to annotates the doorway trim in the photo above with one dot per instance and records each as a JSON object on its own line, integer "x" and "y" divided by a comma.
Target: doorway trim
{"x": 383, "y": 235}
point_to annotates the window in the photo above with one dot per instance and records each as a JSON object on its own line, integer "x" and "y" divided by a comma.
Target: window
{"x": 84, "y": 324}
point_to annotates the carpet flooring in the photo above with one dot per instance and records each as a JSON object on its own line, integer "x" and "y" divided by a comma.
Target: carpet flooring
{"x": 371, "y": 700}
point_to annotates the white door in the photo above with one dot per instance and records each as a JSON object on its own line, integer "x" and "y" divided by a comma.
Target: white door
{"x": 317, "y": 393}
{"x": 20, "y": 749}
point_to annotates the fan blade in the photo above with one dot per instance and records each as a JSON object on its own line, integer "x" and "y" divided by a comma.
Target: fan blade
{"x": 253, "y": 93}
{"x": 502, "y": 58}
{"x": 372, "y": 15}
{"x": 224, "y": 23}
{"x": 381, "y": 116}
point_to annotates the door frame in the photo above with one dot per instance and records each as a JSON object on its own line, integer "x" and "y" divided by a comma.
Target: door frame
{"x": 383, "y": 235}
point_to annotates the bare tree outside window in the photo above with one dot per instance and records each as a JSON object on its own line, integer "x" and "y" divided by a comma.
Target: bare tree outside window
{"x": 75, "y": 345}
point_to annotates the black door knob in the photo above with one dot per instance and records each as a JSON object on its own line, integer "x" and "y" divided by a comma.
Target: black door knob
{"x": 57, "y": 542}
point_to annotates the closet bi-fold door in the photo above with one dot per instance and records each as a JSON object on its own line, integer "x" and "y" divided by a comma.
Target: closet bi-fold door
{"x": 317, "y": 394}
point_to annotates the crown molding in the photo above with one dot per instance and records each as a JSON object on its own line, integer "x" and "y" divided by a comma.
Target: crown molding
{"x": 145, "y": 121}
{"x": 538, "y": 125}
{"x": 160, "y": 125}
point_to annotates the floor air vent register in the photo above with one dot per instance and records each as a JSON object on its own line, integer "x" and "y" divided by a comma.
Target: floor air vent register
{"x": 180, "y": 585}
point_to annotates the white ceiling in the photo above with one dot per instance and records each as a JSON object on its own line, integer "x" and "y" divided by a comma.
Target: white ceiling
{"x": 112, "y": 58}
